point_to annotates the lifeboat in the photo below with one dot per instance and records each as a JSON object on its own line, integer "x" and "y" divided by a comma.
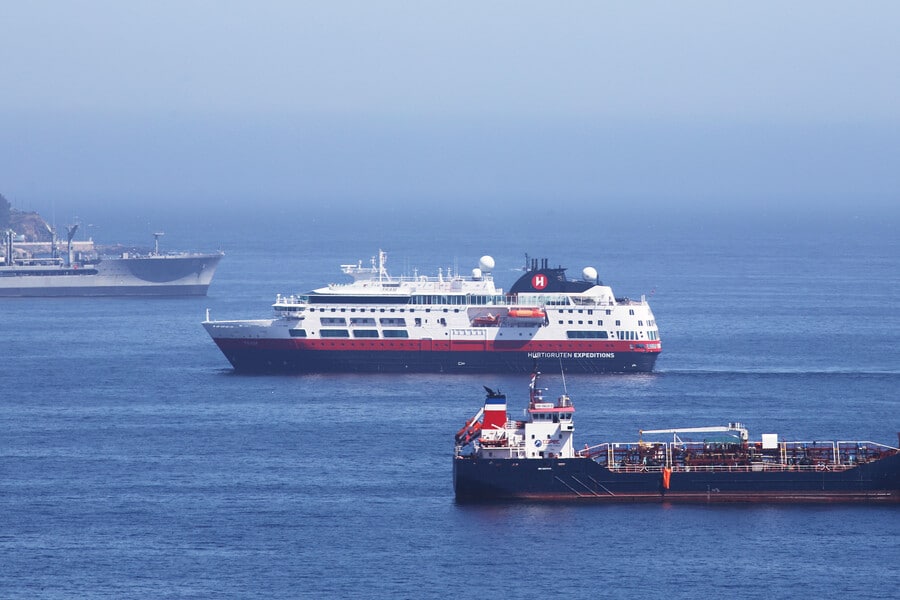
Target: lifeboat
{"x": 469, "y": 432}
{"x": 527, "y": 313}
{"x": 486, "y": 321}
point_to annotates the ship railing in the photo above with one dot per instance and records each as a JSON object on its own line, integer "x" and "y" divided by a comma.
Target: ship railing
{"x": 598, "y": 451}
{"x": 724, "y": 456}
{"x": 626, "y": 301}
{"x": 735, "y": 468}
{"x": 835, "y": 453}
{"x": 852, "y": 452}
{"x": 292, "y": 299}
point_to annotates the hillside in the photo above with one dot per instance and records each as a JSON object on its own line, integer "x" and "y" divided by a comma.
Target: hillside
{"x": 31, "y": 225}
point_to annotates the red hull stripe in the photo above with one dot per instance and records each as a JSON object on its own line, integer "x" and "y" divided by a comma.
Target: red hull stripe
{"x": 577, "y": 346}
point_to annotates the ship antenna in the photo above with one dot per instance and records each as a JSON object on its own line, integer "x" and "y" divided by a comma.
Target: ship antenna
{"x": 563, "y": 373}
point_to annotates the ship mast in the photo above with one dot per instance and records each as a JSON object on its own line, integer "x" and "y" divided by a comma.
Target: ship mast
{"x": 9, "y": 233}
{"x": 156, "y": 237}
{"x": 70, "y": 234}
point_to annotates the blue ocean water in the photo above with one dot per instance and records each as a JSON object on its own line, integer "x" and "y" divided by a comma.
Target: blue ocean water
{"x": 135, "y": 464}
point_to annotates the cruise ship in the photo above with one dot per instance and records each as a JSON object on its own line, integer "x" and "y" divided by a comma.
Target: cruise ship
{"x": 84, "y": 272}
{"x": 447, "y": 323}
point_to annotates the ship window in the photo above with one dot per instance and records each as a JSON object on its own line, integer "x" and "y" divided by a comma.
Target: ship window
{"x": 392, "y": 322}
{"x": 618, "y": 323}
{"x": 362, "y": 321}
{"x": 298, "y": 333}
{"x": 396, "y": 333}
{"x": 640, "y": 323}
{"x": 575, "y": 334}
{"x": 334, "y": 321}
{"x": 335, "y": 333}
{"x": 630, "y": 311}
{"x": 365, "y": 333}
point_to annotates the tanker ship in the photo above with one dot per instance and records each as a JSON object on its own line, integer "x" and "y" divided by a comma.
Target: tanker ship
{"x": 84, "y": 272}
{"x": 447, "y": 323}
{"x": 499, "y": 459}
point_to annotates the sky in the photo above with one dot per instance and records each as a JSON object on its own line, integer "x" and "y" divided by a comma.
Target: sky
{"x": 413, "y": 105}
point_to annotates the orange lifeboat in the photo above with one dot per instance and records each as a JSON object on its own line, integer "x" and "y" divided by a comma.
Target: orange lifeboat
{"x": 469, "y": 432}
{"x": 486, "y": 321}
{"x": 527, "y": 313}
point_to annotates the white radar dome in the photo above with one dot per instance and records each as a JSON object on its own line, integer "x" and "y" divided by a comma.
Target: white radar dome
{"x": 589, "y": 274}
{"x": 476, "y": 273}
{"x": 486, "y": 264}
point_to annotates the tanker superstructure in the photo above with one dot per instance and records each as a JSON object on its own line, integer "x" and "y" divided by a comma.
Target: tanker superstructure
{"x": 447, "y": 323}
{"x": 85, "y": 273}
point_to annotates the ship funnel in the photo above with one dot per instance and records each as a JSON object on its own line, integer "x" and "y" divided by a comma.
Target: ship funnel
{"x": 494, "y": 411}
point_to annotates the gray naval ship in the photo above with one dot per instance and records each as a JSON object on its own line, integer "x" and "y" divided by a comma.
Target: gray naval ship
{"x": 82, "y": 271}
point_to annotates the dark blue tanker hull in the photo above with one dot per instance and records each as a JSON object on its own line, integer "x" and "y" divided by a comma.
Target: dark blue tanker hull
{"x": 583, "y": 480}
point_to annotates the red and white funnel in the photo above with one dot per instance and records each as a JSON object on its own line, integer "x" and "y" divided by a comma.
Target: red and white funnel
{"x": 494, "y": 411}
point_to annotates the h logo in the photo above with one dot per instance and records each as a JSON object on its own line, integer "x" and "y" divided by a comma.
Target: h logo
{"x": 539, "y": 281}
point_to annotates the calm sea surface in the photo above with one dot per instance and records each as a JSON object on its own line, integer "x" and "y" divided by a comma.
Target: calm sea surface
{"x": 134, "y": 463}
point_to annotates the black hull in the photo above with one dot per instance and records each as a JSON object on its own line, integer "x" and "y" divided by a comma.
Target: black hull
{"x": 583, "y": 480}
{"x": 258, "y": 360}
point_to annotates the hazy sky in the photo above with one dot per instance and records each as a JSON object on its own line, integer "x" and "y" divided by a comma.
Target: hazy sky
{"x": 575, "y": 103}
